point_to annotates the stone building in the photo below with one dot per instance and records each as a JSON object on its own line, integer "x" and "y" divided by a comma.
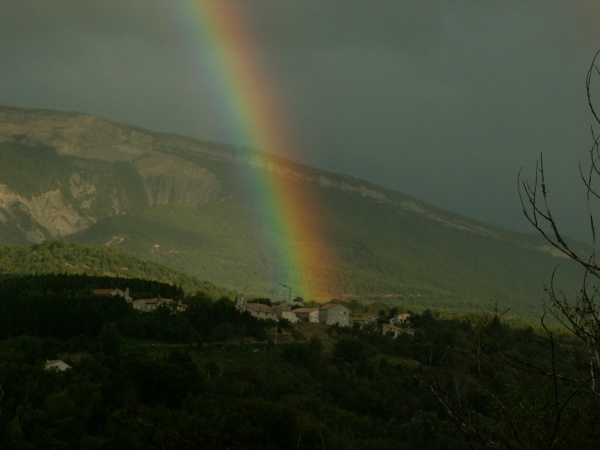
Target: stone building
{"x": 332, "y": 314}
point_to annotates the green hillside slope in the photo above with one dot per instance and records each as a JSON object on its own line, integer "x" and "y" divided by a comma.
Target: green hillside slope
{"x": 192, "y": 205}
{"x": 61, "y": 257}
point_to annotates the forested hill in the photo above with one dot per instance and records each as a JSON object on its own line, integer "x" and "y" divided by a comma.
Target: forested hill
{"x": 62, "y": 257}
{"x": 212, "y": 378}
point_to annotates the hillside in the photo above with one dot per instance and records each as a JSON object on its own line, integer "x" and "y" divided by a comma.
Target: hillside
{"x": 191, "y": 205}
{"x": 62, "y": 257}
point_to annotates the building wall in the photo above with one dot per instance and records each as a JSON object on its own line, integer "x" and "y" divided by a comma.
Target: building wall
{"x": 262, "y": 314}
{"x": 338, "y": 314}
{"x": 287, "y": 315}
{"x": 57, "y": 365}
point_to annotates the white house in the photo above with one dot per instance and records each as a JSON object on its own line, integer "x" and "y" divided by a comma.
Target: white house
{"x": 57, "y": 365}
{"x": 258, "y": 310}
{"x": 285, "y": 312}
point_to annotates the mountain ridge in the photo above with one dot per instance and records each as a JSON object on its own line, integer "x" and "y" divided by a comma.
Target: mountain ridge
{"x": 146, "y": 162}
{"x": 186, "y": 202}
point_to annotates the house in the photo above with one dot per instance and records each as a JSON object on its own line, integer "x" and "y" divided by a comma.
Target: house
{"x": 307, "y": 314}
{"x": 333, "y": 313}
{"x": 113, "y": 292}
{"x": 258, "y": 310}
{"x": 56, "y": 365}
{"x": 401, "y": 320}
{"x": 361, "y": 322}
{"x": 152, "y": 304}
{"x": 394, "y": 331}
{"x": 397, "y": 325}
{"x": 284, "y": 311}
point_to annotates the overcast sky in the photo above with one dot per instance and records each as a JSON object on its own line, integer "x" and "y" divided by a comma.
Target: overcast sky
{"x": 444, "y": 101}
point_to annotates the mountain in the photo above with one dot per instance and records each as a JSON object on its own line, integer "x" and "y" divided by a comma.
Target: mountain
{"x": 188, "y": 204}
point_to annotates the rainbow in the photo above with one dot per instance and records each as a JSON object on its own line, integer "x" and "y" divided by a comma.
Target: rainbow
{"x": 254, "y": 117}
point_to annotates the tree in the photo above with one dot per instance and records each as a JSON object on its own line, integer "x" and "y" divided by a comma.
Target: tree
{"x": 386, "y": 315}
{"x": 531, "y": 391}
{"x": 581, "y": 316}
{"x": 109, "y": 338}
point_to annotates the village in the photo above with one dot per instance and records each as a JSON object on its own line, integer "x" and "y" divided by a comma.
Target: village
{"x": 328, "y": 314}
{"x": 333, "y": 314}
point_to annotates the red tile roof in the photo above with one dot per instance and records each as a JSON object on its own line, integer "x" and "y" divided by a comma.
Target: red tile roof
{"x": 259, "y": 307}
{"x": 102, "y": 291}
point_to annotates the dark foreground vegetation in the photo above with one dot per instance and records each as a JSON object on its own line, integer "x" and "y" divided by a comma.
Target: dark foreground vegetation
{"x": 212, "y": 378}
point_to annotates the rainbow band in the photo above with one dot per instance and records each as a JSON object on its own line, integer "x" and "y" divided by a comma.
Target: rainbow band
{"x": 254, "y": 117}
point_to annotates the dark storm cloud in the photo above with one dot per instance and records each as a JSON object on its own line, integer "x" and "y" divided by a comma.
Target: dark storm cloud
{"x": 441, "y": 100}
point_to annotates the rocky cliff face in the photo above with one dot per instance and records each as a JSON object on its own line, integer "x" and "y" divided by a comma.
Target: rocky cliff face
{"x": 60, "y": 210}
{"x": 163, "y": 166}
{"x": 71, "y": 203}
{"x": 40, "y": 217}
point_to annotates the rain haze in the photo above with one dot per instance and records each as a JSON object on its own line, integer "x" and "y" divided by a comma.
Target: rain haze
{"x": 444, "y": 101}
